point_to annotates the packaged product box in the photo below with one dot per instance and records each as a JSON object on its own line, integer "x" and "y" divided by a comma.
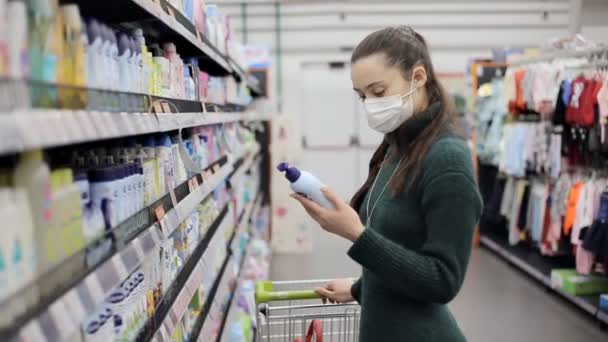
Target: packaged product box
{"x": 604, "y": 302}
{"x": 576, "y": 284}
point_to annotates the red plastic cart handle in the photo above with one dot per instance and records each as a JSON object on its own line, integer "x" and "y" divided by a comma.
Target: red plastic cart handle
{"x": 314, "y": 330}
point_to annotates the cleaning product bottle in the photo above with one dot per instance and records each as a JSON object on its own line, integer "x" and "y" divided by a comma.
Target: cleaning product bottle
{"x": 124, "y": 64}
{"x": 33, "y": 175}
{"x": 74, "y": 57}
{"x": 305, "y": 183}
{"x": 145, "y": 62}
{"x": 3, "y": 40}
{"x": 8, "y": 214}
{"x": 42, "y": 59}
{"x": 166, "y": 85}
{"x": 189, "y": 85}
{"x": 95, "y": 61}
{"x": 17, "y": 43}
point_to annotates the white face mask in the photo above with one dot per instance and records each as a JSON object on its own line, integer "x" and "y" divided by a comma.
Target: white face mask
{"x": 386, "y": 114}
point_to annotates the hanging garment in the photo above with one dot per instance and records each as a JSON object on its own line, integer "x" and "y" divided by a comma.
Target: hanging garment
{"x": 577, "y": 100}
{"x": 514, "y": 217}
{"x": 570, "y": 216}
{"x": 506, "y": 204}
{"x": 596, "y": 239}
{"x": 584, "y": 212}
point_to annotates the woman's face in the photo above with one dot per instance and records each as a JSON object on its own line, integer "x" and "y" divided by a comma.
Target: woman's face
{"x": 372, "y": 77}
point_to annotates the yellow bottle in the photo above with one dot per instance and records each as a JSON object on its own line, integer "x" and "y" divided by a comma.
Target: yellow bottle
{"x": 73, "y": 58}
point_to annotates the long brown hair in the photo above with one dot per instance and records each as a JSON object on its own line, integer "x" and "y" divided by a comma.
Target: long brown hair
{"x": 404, "y": 48}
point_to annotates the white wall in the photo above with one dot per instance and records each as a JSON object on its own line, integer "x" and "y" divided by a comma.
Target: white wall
{"x": 594, "y": 20}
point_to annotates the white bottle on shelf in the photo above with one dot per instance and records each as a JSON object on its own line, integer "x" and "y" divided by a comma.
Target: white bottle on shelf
{"x": 33, "y": 175}
{"x": 17, "y": 43}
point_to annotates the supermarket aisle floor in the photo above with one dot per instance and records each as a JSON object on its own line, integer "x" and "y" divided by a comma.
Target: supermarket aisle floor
{"x": 497, "y": 303}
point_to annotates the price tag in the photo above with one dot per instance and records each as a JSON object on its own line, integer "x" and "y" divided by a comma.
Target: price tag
{"x": 166, "y": 107}
{"x": 216, "y": 168}
{"x": 173, "y": 198}
{"x": 205, "y": 175}
{"x": 160, "y": 216}
{"x": 157, "y": 108}
{"x": 190, "y": 185}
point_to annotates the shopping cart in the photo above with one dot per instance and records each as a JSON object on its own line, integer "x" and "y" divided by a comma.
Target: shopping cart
{"x": 289, "y": 311}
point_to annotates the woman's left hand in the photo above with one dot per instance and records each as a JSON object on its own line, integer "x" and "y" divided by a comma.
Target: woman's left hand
{"x": 342, "y": 220}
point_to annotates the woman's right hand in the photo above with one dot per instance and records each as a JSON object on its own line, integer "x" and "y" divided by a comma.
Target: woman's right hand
{"x": 337, "y": 291}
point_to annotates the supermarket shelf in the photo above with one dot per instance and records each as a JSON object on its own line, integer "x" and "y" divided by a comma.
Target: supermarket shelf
{"x": 161, "y": 23}
{"x": 247, "y": 163}
{"x": 36, "y": 128}
{"x": 244, "y": 221}
{"x": 539, "y": 268}
{"x": 174, "y": 303}
{"x": 196, "y": 329}
{"x": 232, "y": 297}
{"x": 92, "y": 281}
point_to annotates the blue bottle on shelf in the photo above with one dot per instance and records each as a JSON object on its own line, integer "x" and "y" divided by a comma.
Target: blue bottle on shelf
{"x": 306, "y": 184}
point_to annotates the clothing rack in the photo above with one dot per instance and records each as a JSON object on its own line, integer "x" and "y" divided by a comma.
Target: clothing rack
{"x": 564, "y": 54}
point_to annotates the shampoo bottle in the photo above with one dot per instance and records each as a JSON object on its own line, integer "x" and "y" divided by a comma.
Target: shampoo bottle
{"x": 33, "y": 175}
{"x": 17, "y": 44}
{"x": 305, "y": 183}
{"x": 73, "y": 57}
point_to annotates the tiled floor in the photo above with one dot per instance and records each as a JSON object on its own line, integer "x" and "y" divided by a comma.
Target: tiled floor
{"x": 497, "y": 303}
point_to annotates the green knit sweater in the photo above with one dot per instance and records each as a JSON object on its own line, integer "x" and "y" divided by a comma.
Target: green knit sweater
{"x": 415, "y": 251}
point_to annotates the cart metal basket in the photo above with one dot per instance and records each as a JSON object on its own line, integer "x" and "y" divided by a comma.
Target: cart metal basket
{"x": 289, "y": 311}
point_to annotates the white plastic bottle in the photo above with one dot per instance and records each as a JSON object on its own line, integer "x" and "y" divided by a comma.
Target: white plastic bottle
{"x": 7, "y": 280}
{"x": 305, "y": 183}
{"x": 33, "y": 175}
{"x": 17, "y": 42}
{"x": 124, "y": 56}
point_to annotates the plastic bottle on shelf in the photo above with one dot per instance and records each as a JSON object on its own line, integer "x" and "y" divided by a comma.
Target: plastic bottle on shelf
{"x": 95, "y": 61}
{"x": 177, "y": 73}
{"x": 165, "y": 72}
{"x": 106, "y": 67}
{"x": 138, "y": 67}
{"x": 189, "y": 85}
{"x": 165, "y": 158}
{"x": 105, "y": 194}
{"x": 74, "y": 64}
{"x": 17, "y": 30}
{"x": 33, "y": 175}
{"x": 115, "y": 62}
{"x": 3, "y": 40}
{"x": 145, "y": 62}
{"x": 124, "y": 56}
{"x": 305, "y": 183}
{"x": 42, "y": 58}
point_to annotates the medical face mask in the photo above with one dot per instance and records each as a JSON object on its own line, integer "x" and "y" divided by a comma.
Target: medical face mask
{"x": 386, "y": 114}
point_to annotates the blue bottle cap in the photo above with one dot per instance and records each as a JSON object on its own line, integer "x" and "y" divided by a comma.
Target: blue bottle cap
{"x": 291, "y": 173}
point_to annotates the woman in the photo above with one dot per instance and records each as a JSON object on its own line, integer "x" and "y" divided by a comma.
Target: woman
{"x": 419, "y": 206}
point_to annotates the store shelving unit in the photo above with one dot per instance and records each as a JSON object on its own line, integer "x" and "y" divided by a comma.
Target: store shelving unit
{"x": 59, "y": 314}
{"x": 539, "y": 268}
{"x": 162, "y": 22}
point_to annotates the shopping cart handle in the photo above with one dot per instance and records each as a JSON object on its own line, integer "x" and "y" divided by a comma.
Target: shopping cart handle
{"x": 264, "y": 293}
